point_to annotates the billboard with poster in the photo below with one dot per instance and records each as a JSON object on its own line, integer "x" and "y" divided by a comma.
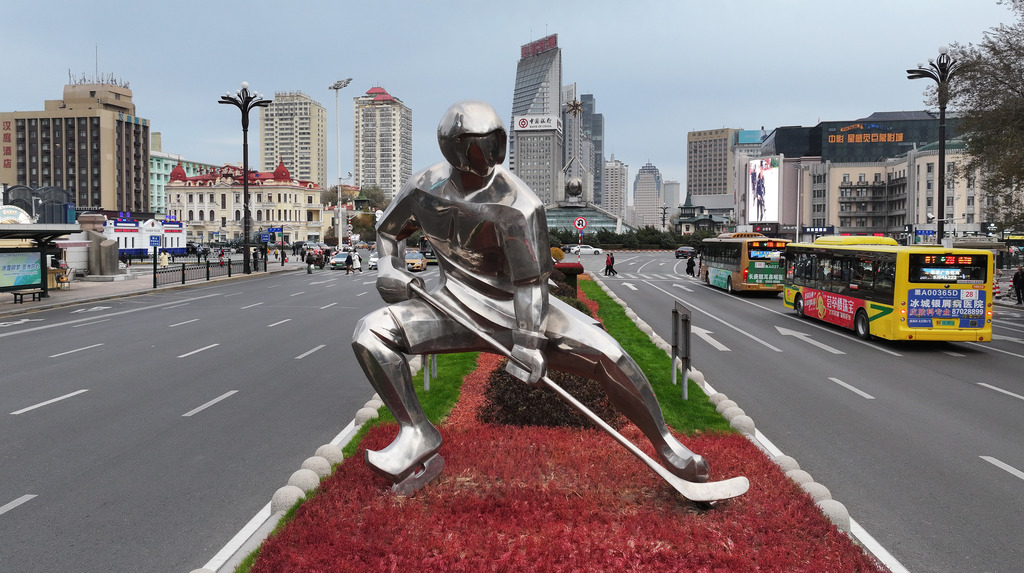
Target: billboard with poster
{"x": 20, "y": 268}
{"x": 763, "y": 179}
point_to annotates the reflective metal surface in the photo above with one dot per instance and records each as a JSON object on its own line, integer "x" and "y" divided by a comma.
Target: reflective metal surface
{"x": 489, "y": 232}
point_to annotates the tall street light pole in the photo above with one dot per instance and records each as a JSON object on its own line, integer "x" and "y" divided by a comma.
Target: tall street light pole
{"x": 245, "y": 100}
{"x": 940, "y": 70}
{"x": 337, "y": 87}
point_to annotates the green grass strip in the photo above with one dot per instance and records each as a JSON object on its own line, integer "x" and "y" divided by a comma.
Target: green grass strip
{"x": 686, "y": 416}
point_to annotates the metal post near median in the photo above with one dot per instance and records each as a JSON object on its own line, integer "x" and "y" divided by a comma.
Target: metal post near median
{"x": 681, "y": 343}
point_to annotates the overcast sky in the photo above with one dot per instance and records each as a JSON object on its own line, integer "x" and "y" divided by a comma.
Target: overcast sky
{"x": 658, "y": 69}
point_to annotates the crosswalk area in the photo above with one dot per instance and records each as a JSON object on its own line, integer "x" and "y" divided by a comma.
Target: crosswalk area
{"x": 648, "y": 276}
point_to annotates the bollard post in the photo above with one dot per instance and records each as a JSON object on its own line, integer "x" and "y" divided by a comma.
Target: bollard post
{"x": 681, "y": 343}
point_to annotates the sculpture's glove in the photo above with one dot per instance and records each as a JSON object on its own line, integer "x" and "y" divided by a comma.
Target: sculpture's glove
{"x": 393, "y": 284}
{"x": 528, "y": 349}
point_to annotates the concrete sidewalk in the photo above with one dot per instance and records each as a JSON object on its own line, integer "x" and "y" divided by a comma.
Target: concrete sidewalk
{"x": 140, "y": 281}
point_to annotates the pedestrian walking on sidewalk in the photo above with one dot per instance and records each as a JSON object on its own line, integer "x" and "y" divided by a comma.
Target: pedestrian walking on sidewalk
{"x": 1018, "y": 284}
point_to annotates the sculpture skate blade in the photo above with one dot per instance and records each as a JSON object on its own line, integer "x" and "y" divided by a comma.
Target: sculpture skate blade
{"x": 712, "y": 490}
{"x": 418, "y": 480}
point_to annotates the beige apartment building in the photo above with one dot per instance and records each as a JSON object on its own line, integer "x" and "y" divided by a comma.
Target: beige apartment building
{"x": 382, "y": 146}
{"x": 293, "y": 130}
{"x": 90, "y": 142}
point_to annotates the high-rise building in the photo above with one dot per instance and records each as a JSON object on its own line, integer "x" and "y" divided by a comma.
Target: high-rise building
{"x": 89, "y": 143}
{"x": 710, "y": 172}
{"x": 382, "y": 131}
{"x": 593, "y": 129}
{"x": 536, "y": 137}
{"x": 648, "y": 197}
{"x": 293, "y": 130}
{"x": 616, "y": 186}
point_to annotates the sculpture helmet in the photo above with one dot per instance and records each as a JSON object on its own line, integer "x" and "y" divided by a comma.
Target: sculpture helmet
{"x": 472, "y": 137}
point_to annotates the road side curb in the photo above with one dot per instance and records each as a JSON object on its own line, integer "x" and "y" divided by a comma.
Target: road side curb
{"x": 833, "y": 510}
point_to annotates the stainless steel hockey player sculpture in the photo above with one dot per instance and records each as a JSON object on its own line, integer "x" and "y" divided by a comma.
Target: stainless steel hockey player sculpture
{"x": 489, "y": 233}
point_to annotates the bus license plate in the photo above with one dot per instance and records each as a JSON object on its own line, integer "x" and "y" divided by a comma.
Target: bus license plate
{"x": 945, "y": 323}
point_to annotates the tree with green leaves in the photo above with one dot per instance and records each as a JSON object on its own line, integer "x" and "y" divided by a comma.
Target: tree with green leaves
{"x": 988, "y": 91}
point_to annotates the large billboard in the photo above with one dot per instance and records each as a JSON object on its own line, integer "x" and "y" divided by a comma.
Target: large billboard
{"x": 763, "y": 176}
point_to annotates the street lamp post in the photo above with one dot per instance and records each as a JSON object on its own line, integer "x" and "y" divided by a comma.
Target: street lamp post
{"x": 245, "y": 100}
{"x": 337, "y": 87}
{"x": 940, "y": 70}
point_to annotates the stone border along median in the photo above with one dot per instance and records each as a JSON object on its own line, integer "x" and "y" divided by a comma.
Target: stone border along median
{"x": 315, "y": 468}
{"x": 835, "y": 511}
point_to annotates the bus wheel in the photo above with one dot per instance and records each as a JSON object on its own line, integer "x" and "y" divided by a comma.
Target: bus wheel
{"x": 861, "y": 325}
{"x": 728, "y": 286}
{"x": 798, "y": 305}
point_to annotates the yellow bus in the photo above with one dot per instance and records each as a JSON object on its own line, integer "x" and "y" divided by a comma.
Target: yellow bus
{"x": 739, "y": 262}
{"x": 879, "y": 288}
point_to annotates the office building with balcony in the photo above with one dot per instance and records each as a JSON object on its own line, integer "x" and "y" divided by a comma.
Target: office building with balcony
{"x": 536, "y": 138}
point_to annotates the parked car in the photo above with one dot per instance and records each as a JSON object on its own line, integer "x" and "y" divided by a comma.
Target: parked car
{"x": 371, "y": 263}
{"x": 585, "y": 250}
{"x": 338, "y": 260}
{"x": 685, "y": 252}
{"x": 414, "y": 261}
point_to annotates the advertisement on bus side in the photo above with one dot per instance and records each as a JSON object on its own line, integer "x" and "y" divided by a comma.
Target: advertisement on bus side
{"x": 940, "y": 307}
{"x": 834, "y": 308}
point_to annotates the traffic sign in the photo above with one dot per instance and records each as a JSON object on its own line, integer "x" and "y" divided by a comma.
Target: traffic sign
{"x": 265, "y": 237}
{"x": 580, "y": 223}
{"x": 154, "y": 240}
{"x": 275, "y": 229}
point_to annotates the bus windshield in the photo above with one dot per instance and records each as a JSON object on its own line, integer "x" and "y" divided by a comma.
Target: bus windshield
{"x": 946, "y": 268}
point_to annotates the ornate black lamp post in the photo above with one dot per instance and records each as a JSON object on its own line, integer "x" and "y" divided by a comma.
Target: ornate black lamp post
{"x": 245, "y": 100}
{"x": 940, "y": 70}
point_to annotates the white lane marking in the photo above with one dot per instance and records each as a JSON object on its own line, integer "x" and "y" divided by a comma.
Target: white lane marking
{"x": 852, "y": 389}
{"x": 361, "y": 294}
{"x": 273, "y": 286}
{"x": 1010, "y": 338}
{"x": 706, "y": 335}
{"x": 198, "y": 350}
{"x": 77, "y": 350}
{"x": 92, "y": 309}
{"x": 713, "y": 317}
{"x": 1007, "y": 392}
{"x": 298, "y": 293}
{"x": 48, "y": 402}
{"x": 994, "y": 349}
{"x": 176, "y": 306}
{"x": 91, "y": 323}
{"x": 112, "y": 314}
{"x": 181, "y": 323}
{"x": 328, "y": 305}
{"x": 307, "y": 353}
{"x": 1003, "y": 466}
{"x": 807, "y": 338}
{"x": 208, "y": 404}
{"x": 9, "y": 506}
{"x": 232, "y": 294}
{"x": 19, "y": 321}
{"x": 682, "y": 287}
{"x": 953, "y": 354}
{"x": 278, "y": 322}
{"x": 250, "y": 306}
{"x": 629, "y": 286}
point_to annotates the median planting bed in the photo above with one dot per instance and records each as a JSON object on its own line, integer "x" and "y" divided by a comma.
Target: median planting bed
{"x": 537, "y": 498}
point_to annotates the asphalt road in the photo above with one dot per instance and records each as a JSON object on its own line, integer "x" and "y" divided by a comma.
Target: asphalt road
{"x": 921, "y": 442}
{"x": 140, "y": 434}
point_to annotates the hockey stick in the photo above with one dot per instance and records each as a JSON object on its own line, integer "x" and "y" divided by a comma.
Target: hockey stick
{"x": 700, "y": 492}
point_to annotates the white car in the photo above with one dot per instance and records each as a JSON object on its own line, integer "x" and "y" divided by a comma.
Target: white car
{"x": 585, "y": 250}
{"x": 371, "y": 264}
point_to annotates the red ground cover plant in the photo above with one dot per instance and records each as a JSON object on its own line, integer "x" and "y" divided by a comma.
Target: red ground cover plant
{"x": 556, "y": 499}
